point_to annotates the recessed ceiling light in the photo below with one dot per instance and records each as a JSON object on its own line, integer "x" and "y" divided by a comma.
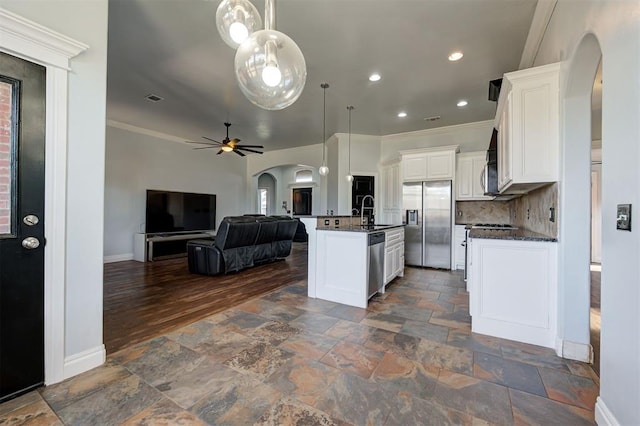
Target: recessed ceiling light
{"x": 455, "y": 56}
{"x": 462, "y": 103}
{"x": 402, "y": 114}
{"x": 375, "y": 77}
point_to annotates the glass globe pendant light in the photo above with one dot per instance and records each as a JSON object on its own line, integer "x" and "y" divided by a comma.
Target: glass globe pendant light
{"x": 270, "y": 67}
{"x": 236, "y": 20}
{"x": 349, "y": 175}
{"x": 324, "y": 170}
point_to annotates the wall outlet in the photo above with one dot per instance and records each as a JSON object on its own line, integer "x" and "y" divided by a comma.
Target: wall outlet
{"x": 552, "y": 214}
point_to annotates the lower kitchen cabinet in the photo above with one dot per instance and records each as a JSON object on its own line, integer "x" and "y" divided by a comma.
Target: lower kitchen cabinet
{"x": 513, "y": 290}
{"x": 393, "y": 254}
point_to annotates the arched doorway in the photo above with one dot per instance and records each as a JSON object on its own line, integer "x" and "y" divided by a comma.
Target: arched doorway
{"x": 267, "y": 194}
{"x": 575, "y": 193}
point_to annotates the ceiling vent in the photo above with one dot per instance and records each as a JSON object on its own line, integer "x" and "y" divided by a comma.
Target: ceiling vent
{"x": 154, "y": 98}
{"x": 434, "y": 118}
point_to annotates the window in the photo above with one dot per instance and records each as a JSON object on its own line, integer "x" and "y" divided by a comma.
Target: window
{"x": 263, "y": 200}
{"x": 304, "y": 176}
{"x": 8, "y": 109}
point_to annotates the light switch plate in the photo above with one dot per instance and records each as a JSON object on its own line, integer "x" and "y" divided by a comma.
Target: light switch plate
{"x": 623, "y": 218}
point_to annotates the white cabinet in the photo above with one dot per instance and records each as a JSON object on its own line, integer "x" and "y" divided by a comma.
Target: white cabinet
{"x": 527, "y": 120}
{"x": 341, "y": 267}
{"x": 470, "y": 176}
{"x": 393, "y": 254}
{"x": 429, "y": 164}
{"x": 513, "y": 290}
{"x": 391, "y": 194}
{"x": 458, "y": 247}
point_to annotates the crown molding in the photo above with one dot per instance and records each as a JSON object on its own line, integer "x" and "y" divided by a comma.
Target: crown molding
{"x": 539, "y": 23}
{"x": 145, "y": 132}
{"x": 35, "y": 42}
{"x": 435, "y": 131}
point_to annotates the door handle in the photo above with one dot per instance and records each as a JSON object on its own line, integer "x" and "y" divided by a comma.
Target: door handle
{"x": 31, "y": 243}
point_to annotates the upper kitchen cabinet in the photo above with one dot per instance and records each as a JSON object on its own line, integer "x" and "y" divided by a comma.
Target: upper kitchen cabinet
{"x": 429, "y": 163}
{"x": 528, "y": 129}
{"x": 470, "y": 171}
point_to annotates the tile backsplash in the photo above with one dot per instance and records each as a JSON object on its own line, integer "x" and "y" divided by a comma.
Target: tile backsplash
{"x": 530, "y": 212}
{"x": 483, "y": 212}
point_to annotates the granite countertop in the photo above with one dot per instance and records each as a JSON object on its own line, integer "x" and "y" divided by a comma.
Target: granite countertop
{"x": 357, "y": 228}
{"x": 511, "y": 234}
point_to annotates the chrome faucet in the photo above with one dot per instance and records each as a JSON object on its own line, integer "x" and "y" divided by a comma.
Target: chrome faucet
{"x": 362, "y": 209}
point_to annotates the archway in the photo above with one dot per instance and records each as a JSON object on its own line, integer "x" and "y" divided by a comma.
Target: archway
{"x": 267, "y": 194}
{"x": 575, "y": 199}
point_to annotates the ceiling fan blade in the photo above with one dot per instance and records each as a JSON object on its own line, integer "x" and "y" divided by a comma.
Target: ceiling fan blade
{"x": 249, "y": 150}
{"x": 239, "y": 153}
{"x": 212, "y": 140}
{"x": 253, "y": 146}
{"x": 200, "y": 143}
{"x": 220, "y": 152}
{"x": 235, "y": 140}
{"x": 207, "y": 147}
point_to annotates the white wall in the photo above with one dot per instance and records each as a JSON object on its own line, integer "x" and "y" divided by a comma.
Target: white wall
{"x": 616, "y": 25}
{"x": 471, "y": 137}
{"x": 365, "y": 156}
{"x": 87, "y": 23}
{"x": 136, "y": 162}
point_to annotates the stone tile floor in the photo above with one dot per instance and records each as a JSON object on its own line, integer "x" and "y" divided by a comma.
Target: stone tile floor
{"x": 284, "y": 359}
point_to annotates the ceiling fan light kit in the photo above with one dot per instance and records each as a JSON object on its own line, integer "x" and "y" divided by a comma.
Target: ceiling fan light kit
{"x": 269, "y": 66}
{"x": 229, "y": 145}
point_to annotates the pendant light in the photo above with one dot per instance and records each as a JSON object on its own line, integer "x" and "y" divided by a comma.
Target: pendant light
{"x": 236, "y": 20}
{"x": 270, "y": 67}
{"x": 349, "y": 175}
{"x": 324, "y": 170}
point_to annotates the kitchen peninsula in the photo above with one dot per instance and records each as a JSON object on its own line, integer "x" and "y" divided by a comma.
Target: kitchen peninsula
{"x": 512, "y": 284}
{"x": 349, "y": 262}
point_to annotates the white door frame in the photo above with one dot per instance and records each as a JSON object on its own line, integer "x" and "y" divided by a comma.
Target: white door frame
{"x": 33, "y": 42}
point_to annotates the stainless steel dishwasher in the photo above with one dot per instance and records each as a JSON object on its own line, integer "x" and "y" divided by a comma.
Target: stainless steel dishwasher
{"x": 376, "y": 262}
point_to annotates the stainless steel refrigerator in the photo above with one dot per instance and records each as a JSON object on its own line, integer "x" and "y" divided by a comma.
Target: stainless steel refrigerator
{"x": 427, "y": 216}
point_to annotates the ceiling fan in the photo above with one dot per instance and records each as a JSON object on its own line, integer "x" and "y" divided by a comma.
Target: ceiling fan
{"x": 228, "y": 145}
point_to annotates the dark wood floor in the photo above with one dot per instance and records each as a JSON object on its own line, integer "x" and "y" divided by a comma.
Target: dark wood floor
{"x": 144, "y": 300}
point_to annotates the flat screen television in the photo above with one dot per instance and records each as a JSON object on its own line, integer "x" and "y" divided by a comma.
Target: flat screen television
{"x": 169, "y": 211}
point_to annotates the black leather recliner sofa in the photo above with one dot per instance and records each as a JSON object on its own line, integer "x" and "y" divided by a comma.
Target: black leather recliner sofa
{"x": 242, "y": 242}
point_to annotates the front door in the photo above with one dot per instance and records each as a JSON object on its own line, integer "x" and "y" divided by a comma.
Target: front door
{"x": 22, "y": 143}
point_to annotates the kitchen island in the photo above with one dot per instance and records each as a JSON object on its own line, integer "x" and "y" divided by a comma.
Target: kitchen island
{"x": 340, "y": 261}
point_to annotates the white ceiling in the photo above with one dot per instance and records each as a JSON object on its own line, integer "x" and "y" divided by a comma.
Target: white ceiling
{"x": 171, "y": 48}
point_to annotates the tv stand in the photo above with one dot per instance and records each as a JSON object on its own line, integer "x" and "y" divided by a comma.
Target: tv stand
{"x": 169, "y": 245}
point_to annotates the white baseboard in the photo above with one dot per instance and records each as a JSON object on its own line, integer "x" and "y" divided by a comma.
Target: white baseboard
{"x": 84, "y": 361}
{"x": 576, "y": 351}
{"x": 118, "y": 258}
{"x": 603, "y": 415}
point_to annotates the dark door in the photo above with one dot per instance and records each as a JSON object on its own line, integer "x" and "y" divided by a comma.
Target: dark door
{"x": 22, "y": 136}
{"x": 361, "y": 187}
{"x": 302, "y": 201}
